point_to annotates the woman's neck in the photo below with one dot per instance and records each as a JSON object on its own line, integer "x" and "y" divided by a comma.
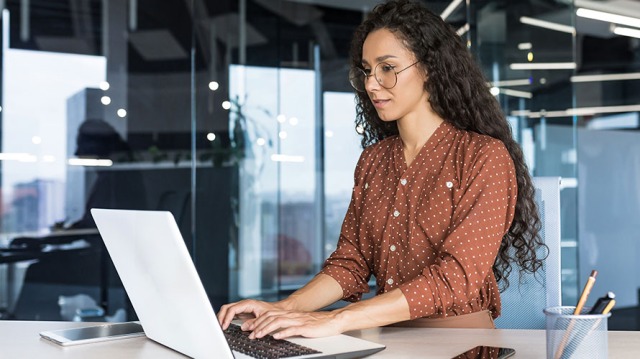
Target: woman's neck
{"x": 416, "y": 129}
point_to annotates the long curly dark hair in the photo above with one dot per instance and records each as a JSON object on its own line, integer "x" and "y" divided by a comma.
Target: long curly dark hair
{"x": 458, "y": 92}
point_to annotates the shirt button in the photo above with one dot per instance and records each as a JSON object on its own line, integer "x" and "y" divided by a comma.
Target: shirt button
{"x": 393, "y": 248}
{"x": 449, "y": 184}
{"x": 366, "y": 185}
{"x": 389, "y": 281}
{"x": 403, "y": 181}
{"x": 396, "y": 213}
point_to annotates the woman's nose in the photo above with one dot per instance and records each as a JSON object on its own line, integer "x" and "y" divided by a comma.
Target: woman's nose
{"x": 370, "y": 83}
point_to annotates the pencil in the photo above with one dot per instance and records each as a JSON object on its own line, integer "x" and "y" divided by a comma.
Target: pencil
{"x": 585, "y": 292}
{"x": 602, "y": 303}
{"x": 607, "y": 309}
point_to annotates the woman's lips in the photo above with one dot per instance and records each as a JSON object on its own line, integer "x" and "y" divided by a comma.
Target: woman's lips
{"x": 380, "y": 103}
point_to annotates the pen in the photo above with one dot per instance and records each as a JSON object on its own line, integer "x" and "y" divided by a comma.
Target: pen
{"x": 602, "y": 303}
{"x": 585, "y": 292}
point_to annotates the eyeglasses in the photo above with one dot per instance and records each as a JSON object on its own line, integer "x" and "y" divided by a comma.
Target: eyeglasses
{"x": 384, "y": 73}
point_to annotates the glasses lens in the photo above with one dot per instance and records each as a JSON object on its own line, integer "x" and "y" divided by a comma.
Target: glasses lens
{"x": 386, "y": 75}
{"x": 356, "y": 78}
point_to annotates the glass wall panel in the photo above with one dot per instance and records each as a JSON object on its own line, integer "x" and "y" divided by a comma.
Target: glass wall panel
{"x": 96, "y": 112}
{"x": 237, "y": 117}
{"x": 606, "y": 107}
{"x": 530, "y": 75}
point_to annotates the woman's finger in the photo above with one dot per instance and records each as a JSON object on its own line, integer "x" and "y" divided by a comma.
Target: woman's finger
{"x": 268, "y": 315}
{"x": 273, "y": 325}
{"x": 245, "y": 306}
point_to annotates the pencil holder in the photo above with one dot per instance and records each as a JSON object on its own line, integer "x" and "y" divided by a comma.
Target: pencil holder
{"x": 576, "y": 336}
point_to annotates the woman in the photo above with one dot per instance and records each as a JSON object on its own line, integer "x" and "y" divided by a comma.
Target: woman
{"x": 442, "y": 202}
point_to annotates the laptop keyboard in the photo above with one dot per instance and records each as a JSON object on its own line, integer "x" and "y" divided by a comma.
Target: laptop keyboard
{"x": 264, "y": 348}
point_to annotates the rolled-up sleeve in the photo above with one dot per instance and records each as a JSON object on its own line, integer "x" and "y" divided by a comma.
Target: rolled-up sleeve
{"x": 480, "y": 219}
{"x": 350, "y": 263}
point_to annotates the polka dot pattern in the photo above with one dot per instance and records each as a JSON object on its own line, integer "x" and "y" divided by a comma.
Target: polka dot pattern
{"x": 431, "y": 229}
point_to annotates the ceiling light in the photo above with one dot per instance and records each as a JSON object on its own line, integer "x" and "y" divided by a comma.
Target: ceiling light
{"x": 608, "y": 17}
{"x": 583, "y": 111}
{"x": 515, "y": 93}
{"x": 625, "y": 31}
{"x": 89, "y": 162}
{"x": 548, "y": 25}
{"x": 463, "y": 30}
{"x": 525, "y": 46}
{"x": 22, "y": 157}
{"x": 579, "y": 111}
{"x": 543, "y": 66}
{"x": 546, "y": 114}
{"x": 606, "y": 77}
{"x": 450, "y": 9}
{"x": 505, "y": 83}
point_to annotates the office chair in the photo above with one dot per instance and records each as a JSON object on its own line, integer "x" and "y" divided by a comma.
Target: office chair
{"x": 526, "y": 297}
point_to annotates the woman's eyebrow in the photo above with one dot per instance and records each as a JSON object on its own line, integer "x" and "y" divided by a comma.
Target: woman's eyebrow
{"x": 379, "y": 59}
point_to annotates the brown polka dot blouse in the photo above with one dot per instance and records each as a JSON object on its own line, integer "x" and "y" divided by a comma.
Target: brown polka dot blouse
{"x": 431, "y": 229}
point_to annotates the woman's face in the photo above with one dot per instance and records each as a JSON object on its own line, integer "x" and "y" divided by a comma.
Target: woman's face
{"x": 408, "y": 95}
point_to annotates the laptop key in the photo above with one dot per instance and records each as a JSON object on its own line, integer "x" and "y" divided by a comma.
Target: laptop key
{"x": 264, "y": 348}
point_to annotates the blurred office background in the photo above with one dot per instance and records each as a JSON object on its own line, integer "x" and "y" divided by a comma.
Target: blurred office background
{"x": 238, "y": 117}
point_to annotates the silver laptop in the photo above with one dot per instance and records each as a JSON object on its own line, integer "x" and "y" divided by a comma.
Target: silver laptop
{"x": 158, "y": 274}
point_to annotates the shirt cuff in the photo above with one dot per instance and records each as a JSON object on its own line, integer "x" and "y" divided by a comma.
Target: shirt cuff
{"x": 420, "y": 298}
{"x": 352, "y": 289}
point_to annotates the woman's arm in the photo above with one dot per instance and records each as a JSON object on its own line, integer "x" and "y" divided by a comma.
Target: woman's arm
{"x": 321, "y": 291}
{"x": 381, "y": 310}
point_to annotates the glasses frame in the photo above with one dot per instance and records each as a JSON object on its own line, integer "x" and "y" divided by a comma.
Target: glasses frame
{"x": 353, "y": 75}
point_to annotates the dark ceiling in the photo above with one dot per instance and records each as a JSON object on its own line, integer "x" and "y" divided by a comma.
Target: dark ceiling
{"x": 282, "y": 33}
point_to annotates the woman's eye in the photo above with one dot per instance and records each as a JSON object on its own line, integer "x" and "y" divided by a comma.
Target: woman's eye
{"x": 367, "y": 71}
{"x": 387, "y": 67}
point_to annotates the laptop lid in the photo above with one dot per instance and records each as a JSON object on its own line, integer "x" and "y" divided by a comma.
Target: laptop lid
{"x": 158, "y": 274}
{"x": 163, "y": 285}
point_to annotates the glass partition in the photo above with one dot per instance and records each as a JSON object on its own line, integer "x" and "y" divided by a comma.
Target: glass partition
{"x": 237, "y": 117}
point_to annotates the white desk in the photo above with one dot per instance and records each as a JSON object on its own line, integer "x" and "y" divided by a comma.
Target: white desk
{"x": 21, "y": 340}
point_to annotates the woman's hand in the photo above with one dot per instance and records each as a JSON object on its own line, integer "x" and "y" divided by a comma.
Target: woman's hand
{"x": 248, "y": 306}
{"x": 285, "y": 323}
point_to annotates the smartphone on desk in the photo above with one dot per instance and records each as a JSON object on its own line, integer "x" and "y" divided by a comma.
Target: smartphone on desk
{"x": 486, "y": 352}
{"x": 94, "y": 334}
